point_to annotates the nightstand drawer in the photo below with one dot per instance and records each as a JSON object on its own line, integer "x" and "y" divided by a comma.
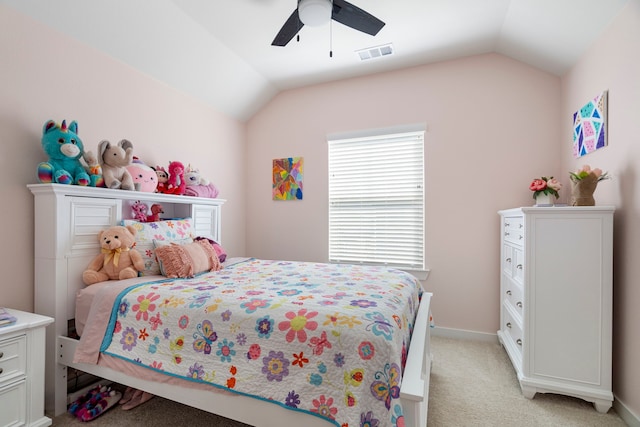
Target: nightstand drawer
{"x": 14, "y": 401}
{"x": 13, "y": 359}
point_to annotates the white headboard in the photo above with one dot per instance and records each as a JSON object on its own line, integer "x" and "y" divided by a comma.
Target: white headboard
{"x": 68, "y": 219}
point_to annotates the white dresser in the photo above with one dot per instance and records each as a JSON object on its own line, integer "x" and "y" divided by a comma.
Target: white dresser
{"x": 22, "y": 349}
{"x": 556, "y": 299}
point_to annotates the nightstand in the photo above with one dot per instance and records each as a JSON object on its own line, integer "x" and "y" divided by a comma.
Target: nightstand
{"x": 22, "y": 347}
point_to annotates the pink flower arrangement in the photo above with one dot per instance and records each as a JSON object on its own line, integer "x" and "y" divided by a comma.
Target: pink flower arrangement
{"x": 546, "y": 186}
{"x": 585, "y": 171}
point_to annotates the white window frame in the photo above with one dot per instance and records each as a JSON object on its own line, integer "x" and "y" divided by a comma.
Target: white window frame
{"x": 390, "y": 181}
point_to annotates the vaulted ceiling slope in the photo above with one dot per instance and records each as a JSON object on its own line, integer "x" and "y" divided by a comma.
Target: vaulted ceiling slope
{"x": 220, "y": 51}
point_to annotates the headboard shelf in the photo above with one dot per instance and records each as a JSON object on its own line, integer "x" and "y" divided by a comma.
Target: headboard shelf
{"x": 68, "y": 219}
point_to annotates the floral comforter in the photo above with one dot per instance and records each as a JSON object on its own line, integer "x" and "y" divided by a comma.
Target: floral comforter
{"x": 326, "y": 339}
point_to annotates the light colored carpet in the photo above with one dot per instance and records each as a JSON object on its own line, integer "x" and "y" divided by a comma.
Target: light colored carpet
{"x": 472, "y": 385}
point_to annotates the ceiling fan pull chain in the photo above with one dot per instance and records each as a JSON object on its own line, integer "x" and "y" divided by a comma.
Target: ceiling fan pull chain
{"x": 331, "y": 39}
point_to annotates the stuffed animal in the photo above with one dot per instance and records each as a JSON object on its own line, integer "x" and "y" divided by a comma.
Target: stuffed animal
{"x": 192, "y": 177}
{"x": 64, "y": 148}
{"x": 117, "y": 260}
{"x": 176, "y": 183}
{"x": 114, "y": 159}
{"x": 210, "y": 191}
{"x": 93, "y": 169}
{"x": 144, "y": 177}
{"x": 156, "y": 210}
{"x": 197, "y": 186}
{"x": 139, "y": 211}
{"x": 163, "y": 178}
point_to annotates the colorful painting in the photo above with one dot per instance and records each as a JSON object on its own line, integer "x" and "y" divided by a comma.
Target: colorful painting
{"x": 590, "y": 126}
{"x": 287, "y": 178}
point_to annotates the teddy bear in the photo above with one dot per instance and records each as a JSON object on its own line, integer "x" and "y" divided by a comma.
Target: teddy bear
{"x": 64, "y": 148}
{"x": 117, "y": 259}
{"x": 114, "y": 159}
{"x": 144, "y": 177}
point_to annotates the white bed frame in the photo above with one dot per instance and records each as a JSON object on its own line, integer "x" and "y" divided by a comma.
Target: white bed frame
{"x": 67, "y": 221}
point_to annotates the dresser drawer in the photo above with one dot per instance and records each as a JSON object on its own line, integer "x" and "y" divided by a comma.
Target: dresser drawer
{"x": 513, "y": 330}
{"x": 513, "y": 229}
{"x": 514, "y": 295}
{"x": 507, "y": 260}
{"x": 13, "y": 359}
{"x": 517, "y": 256}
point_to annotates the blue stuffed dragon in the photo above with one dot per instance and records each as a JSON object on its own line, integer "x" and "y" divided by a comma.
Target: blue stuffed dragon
{"x": 64, "y": 148}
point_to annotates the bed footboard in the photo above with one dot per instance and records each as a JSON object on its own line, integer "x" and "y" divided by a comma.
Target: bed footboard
{"x": 414, "y": 392}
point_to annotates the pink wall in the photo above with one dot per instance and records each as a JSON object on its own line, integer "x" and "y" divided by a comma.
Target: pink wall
{"x": 613, "y": 64}
{"x": 46, "y": 75}
{"x": 493, "y": 125}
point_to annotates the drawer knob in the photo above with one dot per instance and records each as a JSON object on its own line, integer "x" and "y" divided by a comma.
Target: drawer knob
{"x": 519, "y": 304}
{"x": 519, "y": 266}
{"x": 521, "y": 237}
{"x": 509, "y": 325}
{"x": 521, "y": 227}
{"x": 509, "y": 292}
{"x": 1, "y": 370}
{"x": 508, "y": 260}
{"x": 506, "y": 224}
{"x": 1, "y": 354}
{"x": 519, "y": 341}
{"x": 506, "y": 233}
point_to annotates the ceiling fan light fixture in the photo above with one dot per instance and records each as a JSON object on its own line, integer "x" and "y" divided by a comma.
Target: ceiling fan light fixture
{"x": 315, "y": 12}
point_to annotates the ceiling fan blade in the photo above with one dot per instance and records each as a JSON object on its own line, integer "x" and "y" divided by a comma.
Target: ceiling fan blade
{"x": 356, "y": 18}
{"x": 288, "y": 30}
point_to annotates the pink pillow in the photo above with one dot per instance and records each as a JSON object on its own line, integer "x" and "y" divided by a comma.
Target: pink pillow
{"x": 187, "y": 260}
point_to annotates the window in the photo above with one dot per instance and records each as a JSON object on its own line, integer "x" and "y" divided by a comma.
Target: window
{"x": 376, "y": 200}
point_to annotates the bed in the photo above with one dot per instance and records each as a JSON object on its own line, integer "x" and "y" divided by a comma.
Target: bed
{"x": 311, "y": 306}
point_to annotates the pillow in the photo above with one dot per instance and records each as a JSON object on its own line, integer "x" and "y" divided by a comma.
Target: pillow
{"x": 158, "y": 243}
{"x": 222, "y": 254}
{"x": 187, "y": 260}
{"x": 147, "y": 232}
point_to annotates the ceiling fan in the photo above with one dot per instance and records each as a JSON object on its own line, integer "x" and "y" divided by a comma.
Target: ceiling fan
{"x": 318, "y": 12}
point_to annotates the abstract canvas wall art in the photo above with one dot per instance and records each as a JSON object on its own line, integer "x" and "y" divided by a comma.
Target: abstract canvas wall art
{"x": 287, "y": 178}
{"x": 590, "y": 126}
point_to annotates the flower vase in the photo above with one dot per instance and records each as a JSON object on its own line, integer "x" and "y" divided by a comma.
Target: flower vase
{"x": 582, "y": 191}
{"x": 544, "y": 199}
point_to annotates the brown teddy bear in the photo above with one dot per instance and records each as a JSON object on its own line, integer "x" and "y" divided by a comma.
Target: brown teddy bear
{"x": 117, "y": 260}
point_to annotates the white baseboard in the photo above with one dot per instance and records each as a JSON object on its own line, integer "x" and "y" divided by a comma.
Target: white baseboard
{"x": 626, "y": 414}
{"x": 463, "y": 334}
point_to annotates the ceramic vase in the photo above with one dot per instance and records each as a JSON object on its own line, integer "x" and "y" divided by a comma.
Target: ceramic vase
{"x": 544, "y": 199}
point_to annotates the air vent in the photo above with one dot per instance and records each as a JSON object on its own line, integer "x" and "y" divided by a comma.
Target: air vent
{"x": 375, "y": 52}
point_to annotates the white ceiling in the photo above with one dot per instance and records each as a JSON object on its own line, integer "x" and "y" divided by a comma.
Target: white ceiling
{"x": 220, "y": 51}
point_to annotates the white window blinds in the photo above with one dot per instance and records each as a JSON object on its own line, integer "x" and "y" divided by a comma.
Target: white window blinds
{"x": 376, "y": 200}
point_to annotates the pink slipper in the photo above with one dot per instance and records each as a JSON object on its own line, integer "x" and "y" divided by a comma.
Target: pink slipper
{"x": 128, "y": 394}
{"x": 139, "y": 397}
